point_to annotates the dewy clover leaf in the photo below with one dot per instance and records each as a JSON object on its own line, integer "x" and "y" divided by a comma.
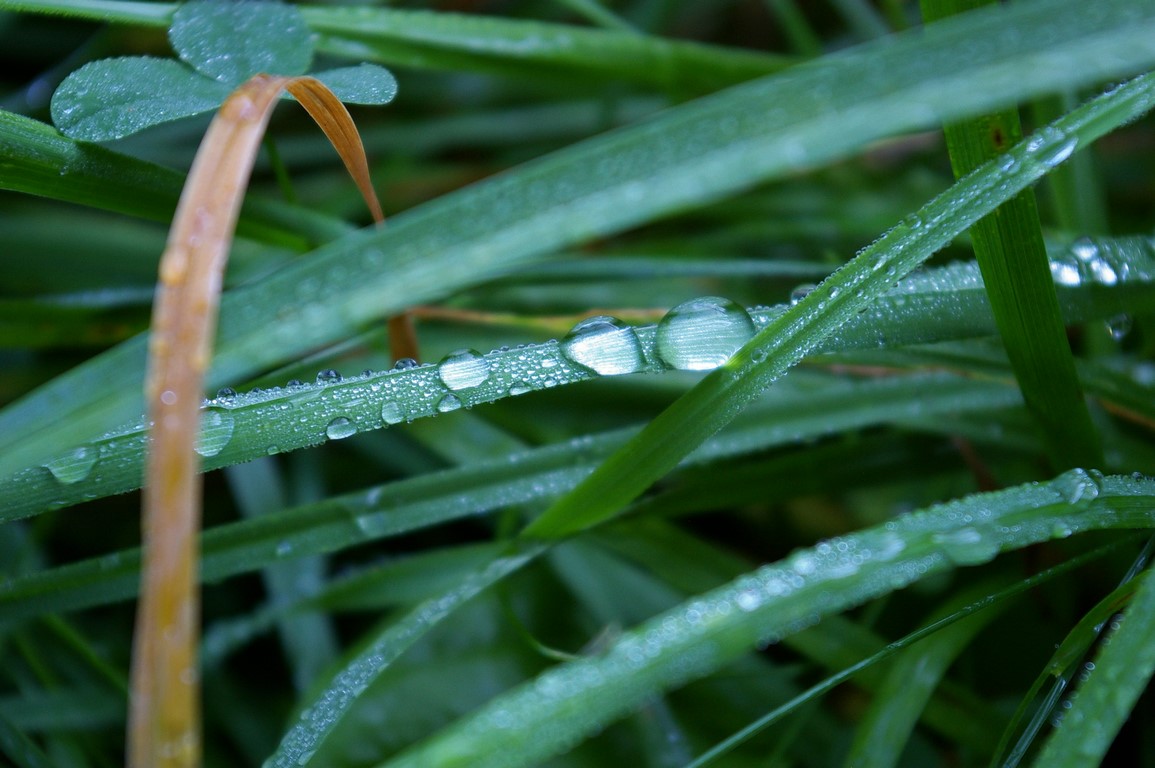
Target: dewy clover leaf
{"x": 221, "y": 44}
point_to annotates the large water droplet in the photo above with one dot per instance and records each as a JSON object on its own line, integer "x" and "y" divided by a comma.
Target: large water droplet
{"x": 216, "y": 431}
{"x": 328, "y": 376}
{"x": 702, "y": 334}
{"x": 392, "y": 412}
{"x": 604, "y": 345}
{"x": 340, "y": 428}
{"x": 463, "y": 369}
{"x": 75, "y": 465}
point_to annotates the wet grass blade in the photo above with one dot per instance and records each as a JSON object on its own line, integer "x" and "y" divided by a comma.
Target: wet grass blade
{"x": 696, "y": 153}
{"x": 573, "y": 700}
{"x": 1009, "y": 246}
{"x": 779, "y": 346}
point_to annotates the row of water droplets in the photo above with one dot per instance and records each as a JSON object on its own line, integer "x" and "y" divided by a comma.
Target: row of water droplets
{"x": 698, "y": 335}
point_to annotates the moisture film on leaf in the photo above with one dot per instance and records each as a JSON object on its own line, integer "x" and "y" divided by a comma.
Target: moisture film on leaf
{"x": 366, "y": 84}
{"x": 113, "y": 98}
{"x": 231, "y": 41}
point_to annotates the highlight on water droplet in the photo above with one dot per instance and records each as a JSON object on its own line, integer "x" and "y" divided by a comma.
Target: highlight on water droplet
{"x": 328, "y": 376}
{"x": 392, "y": 412}
{"x": 604, "y": 345}
{"x": 448, "y": 403}
{"x": 340, "y": 428}
{"x": 75, "y": 465}
{"x": 702, "y": 334}
{"x": 216, "y": 431}
{"x": 463, "y": 369}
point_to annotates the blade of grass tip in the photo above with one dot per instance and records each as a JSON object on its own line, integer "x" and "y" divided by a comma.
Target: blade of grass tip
{"x": 1013, "y": 259}
{"x": 164, "y": 718}
{"x": 1106, "y": 698}
{"x": 333, "y": 118}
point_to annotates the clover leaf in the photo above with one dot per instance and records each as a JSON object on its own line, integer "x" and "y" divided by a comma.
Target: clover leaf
{"x": 221, "y": 44}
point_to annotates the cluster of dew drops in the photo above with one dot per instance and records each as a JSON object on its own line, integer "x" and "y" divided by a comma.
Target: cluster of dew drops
{"x": 697, "y": 335}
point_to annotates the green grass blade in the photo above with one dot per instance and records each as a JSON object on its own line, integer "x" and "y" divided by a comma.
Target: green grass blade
{"x": 1009, "y": 246}
{"x": 521, "y": 49}
{"x": 36, "y": 160}
{"x": 891, "y": 649}
{"x": 317, "y": 721}
{"x": 795, "y": 414}
{"x": 690, "y": 155}
{"x": 884, "y": 730}
{"x": 722, "y": 394}
{"x": 1106, "y": 698}
{"x": 937, "y": 305}
{"x": 567, "y": 703}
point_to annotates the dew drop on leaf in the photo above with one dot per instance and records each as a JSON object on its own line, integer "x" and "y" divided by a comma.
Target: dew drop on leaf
{"x": 801, "y": 292}
{"x": 328, "y": 376}
{"x": 702, "y": 334}
{"x": 604, "y": 345}
{"x": 448, "y": 403}
{"x": 340, "y": 428}
{"x": 216, "y": 431}
{"x": 75, "y": 465}
{"x": 405, "y": 364}
{"x": 463, "y": 369}
{"x": 392, "y": 413}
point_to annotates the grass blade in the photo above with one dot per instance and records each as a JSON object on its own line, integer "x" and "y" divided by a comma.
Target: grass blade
{"x": 1009, "y": 246}
{"x": 565, "y": 704}
{"x": 696, "y": 153}
{"x": 722, "y": 394}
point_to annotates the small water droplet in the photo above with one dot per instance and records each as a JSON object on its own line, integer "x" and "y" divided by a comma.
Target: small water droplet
{"x": 1119, "y": 326}
{"x": 75, "y": 465}
{"x": 284, "y": 548}
{"x": 801, "y": 292}
{"x": 967, "y": 546}
{"x": 519, "y": 388}
{"x": 216, "y": 431}
{"x": 294, "y": 383}
{"x": 328, "y": 376}
{"x": 405, "y": 364}
{"x": 225, "y": 393}
{"x": 448, "y": 403}
{"x": 702, "y": 334}
{"x": 340, "y": 428}
{"x": 463, "y": 369}
{"x": 392, "y": 413}
{"x": 604, "y": 345}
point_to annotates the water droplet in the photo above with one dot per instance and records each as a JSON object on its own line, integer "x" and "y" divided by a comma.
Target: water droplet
{"x": 801, "y": 292}
{"x": 340, "y": 428}
{"x": 967, "y": 546}
{"x": 463, "y": 369}
{"x": 392, "y": 413}
{"x": 405, "y": 364}
{"x": 328, "y": 376}
{"x": 225, "y": 393}
{"x": 604, "y": 345}
{"x": 1119, "y": 326}
{"x": 702, "y": 334}
{"x": 75, "y": 465}
{"x": 1078, "y": 486}
{"x": 216, "y": 431}
{"x": 448, "y": 403}
{"x": 519, "y": 388}
{"x": 284, "y": 548}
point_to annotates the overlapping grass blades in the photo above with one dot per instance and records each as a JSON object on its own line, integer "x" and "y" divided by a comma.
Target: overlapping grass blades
{"x": 690, "y": 155}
